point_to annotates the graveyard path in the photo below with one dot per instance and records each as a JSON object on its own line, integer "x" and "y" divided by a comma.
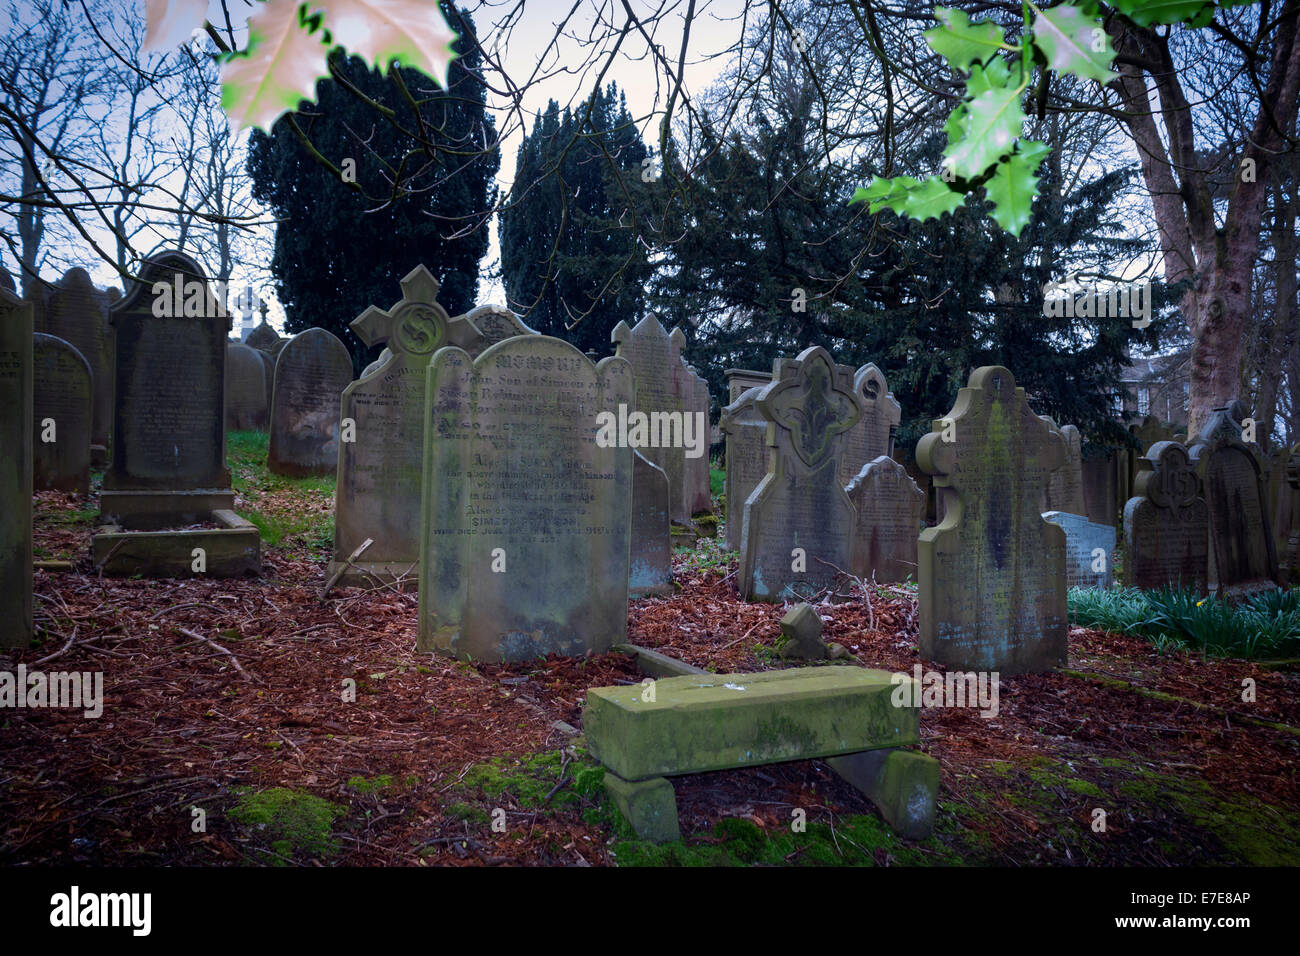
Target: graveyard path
{"x": 310, "y": 731}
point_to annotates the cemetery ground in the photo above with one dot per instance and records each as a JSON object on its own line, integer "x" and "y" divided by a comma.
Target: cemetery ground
{"x": 227, "y": 697}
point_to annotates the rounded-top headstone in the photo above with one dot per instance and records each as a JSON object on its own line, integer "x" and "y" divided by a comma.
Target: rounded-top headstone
{"x": 246, "y": 405}
{"x": 313, "y": 370}
{"x": 61, "y": 415}
{"x": 263, "y": 337}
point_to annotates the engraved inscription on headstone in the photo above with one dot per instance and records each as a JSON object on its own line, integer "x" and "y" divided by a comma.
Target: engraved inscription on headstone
{"x": 15, "y": 470}
{"x": 495, "y": 323}
{"x": 1166, "y": 523}
{"x": 889, "y": 507}
{"x": 62, "y": 400}
{"x": 310, "y": 375}
{"x": 992, "y": 573}
{"x": 798, "y": 522}
{"x": 526, "y": 517}
{"x": 379, "y": 487}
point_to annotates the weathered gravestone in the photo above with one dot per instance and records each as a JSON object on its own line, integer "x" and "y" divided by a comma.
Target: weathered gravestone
{"x": 745, "y": 429}
{"x": 310, "y": 376}
{"x": 526, "y": 515}
{"x": 246, "y": 405}
{"x": 650, "y": 567}
{"x": 379, "y": 488}
{"x": 1243, "y": 558}
{"x": 873, "y": 435}
{"x": 1089, "y": 550}
{"x": 1166, "y": 523}
{"x": 263, "y": 338}
{"x": 1128, "y": 459}
{"x": 7, "y": 281}
{"x": 1292, "y": 547}
{"x": 1065, "y": 486}
{"x": 77, "y": 312}
{"x": 668, "y": 393}
{"x": 741, "y": 380}
{"x": 495, "y": 323}
{"x": 992, "y": 573}
{"x": 62, "y": 410}
{"x": 268, "y": 379}
{"x": 15, "y": 470}
{"x": 168, "y": 463}
{"x": 699, "y": 498}
{"x": 798, "y": 522}
{"x": 889, "y": 508}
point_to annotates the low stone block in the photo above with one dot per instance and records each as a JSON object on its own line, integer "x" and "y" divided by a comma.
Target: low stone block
{"x": 655, "y": 664}
{"x": 903, "y": 784}
{"x": 650, "y": 806}
{"x": 155, "y": 510}
{"x": 802, "y": 629}
{"x": 700, "y": 723}
{"x": 230, "y": 551}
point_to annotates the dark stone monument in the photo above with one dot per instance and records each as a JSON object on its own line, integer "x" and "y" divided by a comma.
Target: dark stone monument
{"x": 745, "y": 429}
{"x": 651, "y": 564}
{"x": 63, "y": 394}
{"x": 889, "y": 508}
{"x": 310, "y": 376}
{"x": 246, "y": 398}
{"x": 1166, "y": 523}
{"x": 15, "y": 470}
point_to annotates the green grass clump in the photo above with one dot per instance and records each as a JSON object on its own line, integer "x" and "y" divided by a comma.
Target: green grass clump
{"x": 717, "y": 481}
{"x": 1263, "y": 626}
{"x": 295, "y": 821}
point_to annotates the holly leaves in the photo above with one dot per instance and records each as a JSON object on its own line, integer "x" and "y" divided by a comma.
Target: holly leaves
{"x": 1074, "y": 41}
{"x": 289, "y": 43}
{"x": 961, "y": 42}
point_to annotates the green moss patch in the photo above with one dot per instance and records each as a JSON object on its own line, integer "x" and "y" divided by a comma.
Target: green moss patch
{"x": 295, "y": 822}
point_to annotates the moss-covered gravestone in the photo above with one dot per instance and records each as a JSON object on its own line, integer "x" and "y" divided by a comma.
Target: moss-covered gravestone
{"x": 668, "y": 392}
{"x": 889, "y": 508}
{"x": 168, "y": 463}
{"x": 1166, "y": 523}
{"x": 63, "y": 396}
{"x": 15, "y": 470}
{"x": 378, "y": 492}
{"x": 874, "y": 433}
{"x": 650, "y": 567}
{"x": 992, "y": 573}
{"x": 1243, "y": 556}
{"x": 798, "y": 522}
{"x": 745, "y": 431}
{"x": 310, "y": 375}
{"x": 526, "y": 515}
{"x": 246, "y": 397}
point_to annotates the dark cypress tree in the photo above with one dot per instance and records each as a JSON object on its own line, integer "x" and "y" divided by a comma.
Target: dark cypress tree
{"x": 337, "y": 252}
{"x": 573, "y": 254}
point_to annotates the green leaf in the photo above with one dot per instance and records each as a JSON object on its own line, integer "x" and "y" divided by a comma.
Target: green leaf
{"x": 1074, "y": 42}
{"x": 962, "y": 42}
{"x": 277, "y": 71}
{"x": 1013, "y": 186}
{"x": 992, "y": 123}
{"x": 910, "y": 197}
{"x": 412, "y": 32}
{"x": 1146, "y": 12}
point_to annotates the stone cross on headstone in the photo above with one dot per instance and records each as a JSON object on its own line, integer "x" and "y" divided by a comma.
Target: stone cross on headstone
{"x": 992, "y": 574}
{"x": 1243, "y": 555}
{"x": 1166, "y": 523}
{"x": 378, "y": 492}
{"x": 798, "y": 523}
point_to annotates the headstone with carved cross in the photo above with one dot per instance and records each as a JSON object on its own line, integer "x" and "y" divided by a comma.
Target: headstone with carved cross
{"x": 797, "y": 534}
{"x": 1166, "y": 523}
{"x": 1243, "y": 555}
{"x": 381, "y": 435}
{"x": 992, "y": 573}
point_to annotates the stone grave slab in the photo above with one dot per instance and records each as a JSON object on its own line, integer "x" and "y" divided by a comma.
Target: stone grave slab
{"x": 992, "y": 573}
{"x": 1089, "y": 550}
{"x": 745, "y": 431}
{"x": 1166, "y": 523}
{"x": 741, "y": 380}
{"x": 526, "y": 516}
{"x": 873, "y": 435}
{"x": 890, "y": 508}
{"x": 798, "y": 522}
{"x": 246, "y": 404}
{"x": 379, "y": 486}
{"x": 1065, "y": 487}
{"x": 1243, "y": 556}
{"x": 650, "y": 566}
{"x": 77, "y": 312}
{"x": 311, "y": 374}
{"x": 62, "y": 398}
{"x": 15, "y": 469}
